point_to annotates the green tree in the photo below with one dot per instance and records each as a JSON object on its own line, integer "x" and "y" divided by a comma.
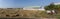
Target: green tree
{"x": 46, "y": 8}
{"x": 50, "y": 7}
{"x": 57, "y": 7}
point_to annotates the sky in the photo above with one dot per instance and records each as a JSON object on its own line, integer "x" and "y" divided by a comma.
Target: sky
{"x": 24, "y": 3}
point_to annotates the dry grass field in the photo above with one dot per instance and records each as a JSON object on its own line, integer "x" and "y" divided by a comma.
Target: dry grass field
{"x": 19, "y": 13}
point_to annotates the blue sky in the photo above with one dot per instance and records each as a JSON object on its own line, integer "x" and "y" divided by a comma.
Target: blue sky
{"x": 23, "y": 3}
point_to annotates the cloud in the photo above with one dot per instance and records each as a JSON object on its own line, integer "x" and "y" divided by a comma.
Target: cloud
{"x": 57, "y": 3}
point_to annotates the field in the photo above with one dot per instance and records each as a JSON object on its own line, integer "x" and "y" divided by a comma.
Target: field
{"x": 19, "y": 13}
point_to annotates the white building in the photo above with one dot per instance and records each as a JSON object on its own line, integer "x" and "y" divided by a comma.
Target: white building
{"x": 33, "y": 8}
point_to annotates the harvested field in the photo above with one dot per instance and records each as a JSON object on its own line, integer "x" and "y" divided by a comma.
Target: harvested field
{"x": 19, "y": 13}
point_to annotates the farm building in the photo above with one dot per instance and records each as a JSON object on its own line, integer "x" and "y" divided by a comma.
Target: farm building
{"x": 33, "y": 8}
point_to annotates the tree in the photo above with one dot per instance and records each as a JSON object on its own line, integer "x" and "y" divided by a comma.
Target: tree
{"x": 46, "y": 8}
{"x": 57, "y": 7}
{"x": 50, "y": 7}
